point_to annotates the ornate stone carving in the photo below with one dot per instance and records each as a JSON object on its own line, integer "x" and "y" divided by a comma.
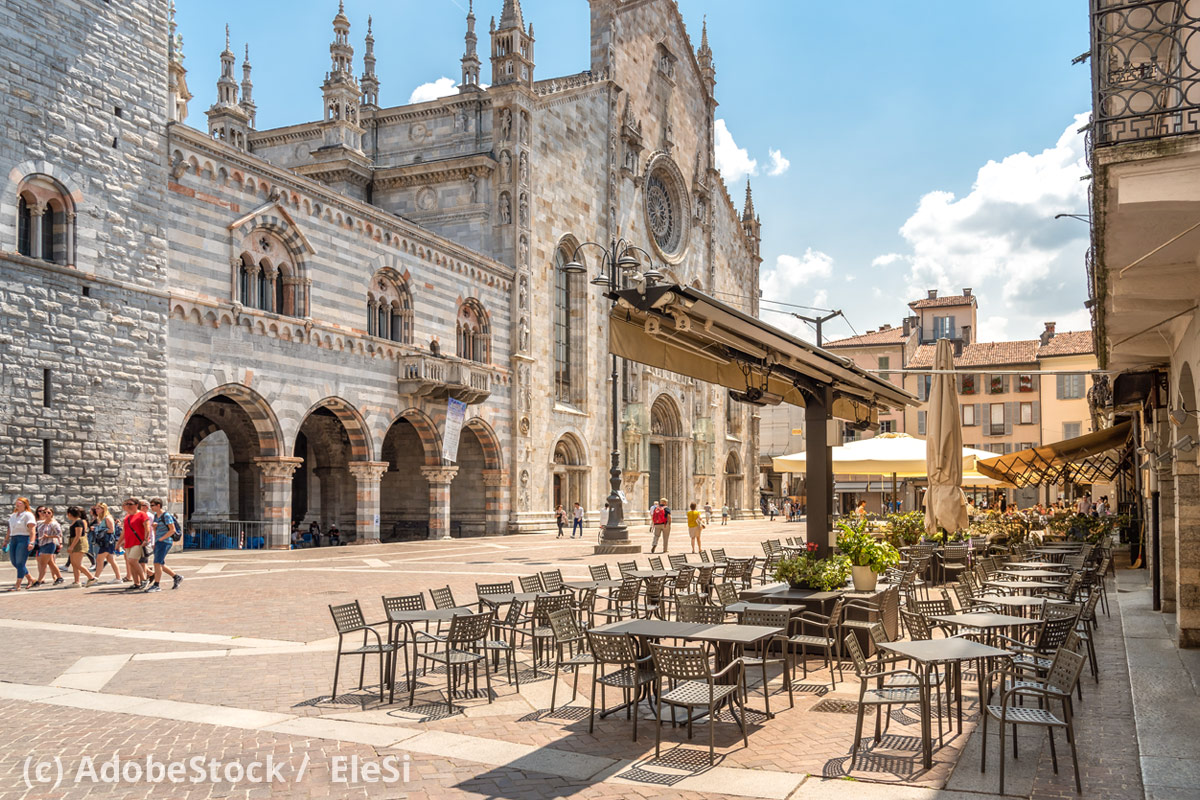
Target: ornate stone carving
{"x": 524, "y": 171}
{"x": 427, "y": 199}
{"x": 179, "y": 465}
{"x": 277, "y": 468}
{"x": 505, "y": 124}
{"x": 439, "y": 475}
{"x": 505, "y": 167}
{"x": 367, "y": 471}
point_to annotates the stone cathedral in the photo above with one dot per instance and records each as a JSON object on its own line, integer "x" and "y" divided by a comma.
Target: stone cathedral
{"x": 266, "y": 326}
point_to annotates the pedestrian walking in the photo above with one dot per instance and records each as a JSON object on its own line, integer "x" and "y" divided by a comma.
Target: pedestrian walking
{"x": 560, "y": 519}
{"x": 708, "y": 512}
{"x": 137, "y": 536}
{"x": 19, "y": 541}
{"x": 104, "y": 539}
{"x": 77, "y": 546}
{"x": 695, "y": 527}
{"x": 49, "y": 542}
{"x": 660, "y": 518}
{"x": 577, "y": 520}
{"x": 772, "y": 510}
{"x": 167, "y": 531}
{"x": 725, "y": 514}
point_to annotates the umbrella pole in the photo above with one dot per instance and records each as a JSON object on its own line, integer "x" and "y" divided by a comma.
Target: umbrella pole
{"x": 894, "y": 509}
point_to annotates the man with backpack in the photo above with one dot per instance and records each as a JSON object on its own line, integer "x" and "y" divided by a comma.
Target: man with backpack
{"x": 660, "y": 518}
{"x": 137, "y": 536}
{"x": 166, "y": 533}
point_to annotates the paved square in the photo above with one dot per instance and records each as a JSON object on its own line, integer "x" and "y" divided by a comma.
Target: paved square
{"x": 237, "y": 665}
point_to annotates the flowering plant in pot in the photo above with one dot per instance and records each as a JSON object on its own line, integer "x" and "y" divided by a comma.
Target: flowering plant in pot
{"x": 806, "y": 571}
{"x": 905, "y": 529}
{"x": 868, "y": 556}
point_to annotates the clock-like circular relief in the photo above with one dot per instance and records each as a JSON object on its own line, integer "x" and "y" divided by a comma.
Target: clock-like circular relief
{"x": 666, "y": 206}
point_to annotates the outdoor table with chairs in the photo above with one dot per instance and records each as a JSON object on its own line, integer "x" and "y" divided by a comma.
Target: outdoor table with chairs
{"x": 1022, "y": 587}
{"x": 984, "y": 621}
{"x": 1035, "y": 565}
{"x": 1032, "y": 574}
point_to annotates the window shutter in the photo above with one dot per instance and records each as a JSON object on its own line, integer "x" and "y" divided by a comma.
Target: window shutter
{"x": 986, "y": 420}
{"x": 1037, "y": 413}
{"x": 921, "y": 423}
{"x": 1010, "y": 413}
{"x": 1060, "y": 386}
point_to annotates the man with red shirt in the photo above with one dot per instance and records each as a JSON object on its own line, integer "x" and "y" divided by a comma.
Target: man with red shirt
{"x": 137, "y": 538}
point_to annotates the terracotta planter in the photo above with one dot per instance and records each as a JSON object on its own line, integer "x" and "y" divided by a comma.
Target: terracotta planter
{"x": 864, "y": 579}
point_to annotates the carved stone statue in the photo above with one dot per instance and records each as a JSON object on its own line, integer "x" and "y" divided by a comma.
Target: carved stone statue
{"x": 524, "y": 211}
{"x": 523, "y": 293}
{"x": 524, "y": 340}
{"x": 505, "y": 210}
{"x": 505, "y": 123}
{"x": 474, "y": 182}
{"x": 524, "y": 167}
{"x": 505, "y": 167}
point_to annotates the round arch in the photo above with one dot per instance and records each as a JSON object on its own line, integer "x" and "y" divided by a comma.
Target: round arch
{"x": 734, "y": 480}
{"x": 569, "y": 472}
{"x": 665, "y": 417}
{"x": 361, "y": 448}
{"x": 256, "y": 407}
{"x": 410, "y": 442}
{"x": 493, "y": 454}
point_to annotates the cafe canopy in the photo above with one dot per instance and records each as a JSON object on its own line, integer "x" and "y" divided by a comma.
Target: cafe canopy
{"x": 1092, "y": 458}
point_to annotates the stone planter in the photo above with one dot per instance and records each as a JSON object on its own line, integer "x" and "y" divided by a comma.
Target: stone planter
{"x": 865, "y": 579}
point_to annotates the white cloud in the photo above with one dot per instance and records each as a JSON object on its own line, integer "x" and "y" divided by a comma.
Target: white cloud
{"x": 734, "y": 162}
{"x": 887, "y": 259}
{"x": 781, "y": 281}
{"x": 995, "y": 329}
{"x": 779, "y": 164}
{"x": 1002, "y": 237}
{"x": 442, "y": 87}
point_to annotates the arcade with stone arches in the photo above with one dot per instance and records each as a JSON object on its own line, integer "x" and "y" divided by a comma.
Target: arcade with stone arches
{"x": 666, "y": 474}
{"x": 234, "y": 470}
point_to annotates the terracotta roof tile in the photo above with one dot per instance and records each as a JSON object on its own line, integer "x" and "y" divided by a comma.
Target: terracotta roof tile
{"x": 983, "y": 354}
{"x": 1069, "y": 343}
{"x": 942, "y": 302}
{"x": 885, "y": 336}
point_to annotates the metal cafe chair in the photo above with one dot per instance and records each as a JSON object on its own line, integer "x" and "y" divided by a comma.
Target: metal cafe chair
{"x": 827, "y": 628}
{"x": 623, "y": 603}
{"x": 771, "y": 619}
{"x": 505, "y": 632}
{"x": 552, "y": 580}
{"x": 1058, "y": 684}
{"x": 599, "y": 572}
{"x": 570, "y": 649}
{"x": 348, "y": 619}
{"x": 629, "y": 673}
{"x": 531, "y": 583}
{"x": 464, "y": 642}
{"x": 695, "y": 685}
{"x": 882, "y": 688}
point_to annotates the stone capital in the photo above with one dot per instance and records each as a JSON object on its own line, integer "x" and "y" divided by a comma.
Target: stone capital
{"x": 277, "y": 468}
{"x": 495, "y": 477}
{"x": 179, "y": 464}
{"x": 367, "y": 471}
{"x": 439, "y": 474}
{"x": 36, "y": 211}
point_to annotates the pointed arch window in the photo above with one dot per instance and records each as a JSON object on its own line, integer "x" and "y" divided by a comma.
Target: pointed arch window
{"x": 472, "y": 333}
{"x": 265, "y": 276}
{"x": 389, "y": 308}
{"x": 569, "y": 329}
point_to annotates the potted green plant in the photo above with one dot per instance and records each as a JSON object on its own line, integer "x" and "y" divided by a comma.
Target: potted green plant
{"x": 806, "y": 571}
{"x": 905, "y": 529}
{"x": 868, "y": 556}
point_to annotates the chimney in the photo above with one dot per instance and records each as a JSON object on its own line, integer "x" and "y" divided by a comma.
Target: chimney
{"x": 965, "y": 334}
{"x": 958, "y": 345}
{"x": 1048, "y": 333}
{"x": 933, "y": 294}
{"x": 967, "y": 292}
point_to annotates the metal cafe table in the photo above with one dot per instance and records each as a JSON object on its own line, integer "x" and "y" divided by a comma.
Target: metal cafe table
{"x": 409, "y": 619}
{"x": 1022, "y": 574}
{"x": 931, "y": 652}
{"x": 1034, "y": 565}
{"x": 652, "y": 573}
{"x": 726, "y": 638}
{"x": 820, "y": 602}
{"x": 985, "y": 621}
{"x": 1032, "y": 587}
{"x": 1018, "y": 603}
{"x": 581, "y": 586}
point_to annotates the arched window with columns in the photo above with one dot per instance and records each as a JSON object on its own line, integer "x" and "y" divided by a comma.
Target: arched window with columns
{"x": 265, "y": 276}
{"x": 473, "y": 334}
{"x": 45, "y": 220}
{"x": 389, "y": 308}
{"x": 570, "y": 328}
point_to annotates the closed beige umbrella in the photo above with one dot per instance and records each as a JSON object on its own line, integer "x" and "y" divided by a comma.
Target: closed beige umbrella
{"x": 945, "y": 503}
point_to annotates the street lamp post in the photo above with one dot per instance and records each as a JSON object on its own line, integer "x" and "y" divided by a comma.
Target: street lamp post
{"x": 616, "y": 261}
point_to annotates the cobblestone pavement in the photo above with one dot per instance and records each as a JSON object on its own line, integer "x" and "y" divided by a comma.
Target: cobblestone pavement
{"x": 237, "y": 665}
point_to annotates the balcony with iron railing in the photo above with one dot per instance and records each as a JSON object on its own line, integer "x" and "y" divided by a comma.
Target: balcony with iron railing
{"x": 439, "y": 377}
{"x": 1145, "y": 69}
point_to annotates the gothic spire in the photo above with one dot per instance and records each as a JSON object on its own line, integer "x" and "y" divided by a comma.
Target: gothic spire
{"x": 247, "y": 103}
{"x": 470, "y": 59}
{"x": 748, "y": 210}
{"x": 510, "y": 17}
{"x": 227, "y": 88}
{"x": 340, "y": 52}
{"x": 370, "y": 82}
{"x": 704, "y": 57}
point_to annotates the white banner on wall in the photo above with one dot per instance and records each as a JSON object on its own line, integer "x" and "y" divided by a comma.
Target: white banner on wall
{"x": 456, "y": 412}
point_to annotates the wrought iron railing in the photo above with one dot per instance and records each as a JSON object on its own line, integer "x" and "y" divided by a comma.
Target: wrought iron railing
{"x": 231, "y": 534}
{"x": 1145, "y": 69}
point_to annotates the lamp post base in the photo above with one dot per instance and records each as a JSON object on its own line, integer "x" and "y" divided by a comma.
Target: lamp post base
{"x": 615, "y": 541}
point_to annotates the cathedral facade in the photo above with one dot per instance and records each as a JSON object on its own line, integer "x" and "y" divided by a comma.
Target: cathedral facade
{"x": 291, "y": 312}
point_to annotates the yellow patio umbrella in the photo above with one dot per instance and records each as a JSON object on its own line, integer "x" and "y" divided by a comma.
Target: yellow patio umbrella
{"x": 886, "y": 454}
{"x": 945, "y": 503}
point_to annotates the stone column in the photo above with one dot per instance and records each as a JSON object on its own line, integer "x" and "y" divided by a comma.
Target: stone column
{"x": 1187, "y": 550}
{"x": 69, "y": 238}
{"x": 277, "y": 474}
{"x": 366, "y": 519}
{"x": 37, "y": 218}
{"x": 1166, "y": 536}
{"x": 178, "y": 467}
{"x": 252, "y": 301}
{"x": 439, "y": 499}
{"x": 495, "y": 493}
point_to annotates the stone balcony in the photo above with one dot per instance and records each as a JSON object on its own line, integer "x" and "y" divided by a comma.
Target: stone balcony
{"x": 439, "y": 377}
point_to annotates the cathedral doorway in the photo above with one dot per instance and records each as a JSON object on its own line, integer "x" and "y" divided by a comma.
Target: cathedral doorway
{"x": 411, "y": 443}
{"x": 667, "y": 446}
{"x": 569, "y": 473}
{"x": 734, "y": 480}
{"x": 323, "y": 489}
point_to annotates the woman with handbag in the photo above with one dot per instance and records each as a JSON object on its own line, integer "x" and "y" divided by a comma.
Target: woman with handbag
{"x": 19, "y": 541}
{"x": 77, "y": 546}
{"x": 104, "y": 537}
{"x": 49, "y": 541}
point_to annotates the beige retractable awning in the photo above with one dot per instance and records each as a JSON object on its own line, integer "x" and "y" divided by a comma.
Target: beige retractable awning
{"x": 1093, "y": 458}
{"x": 685, "y": 331}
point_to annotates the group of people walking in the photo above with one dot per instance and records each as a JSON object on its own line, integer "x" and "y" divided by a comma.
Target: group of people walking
{"x": 660, "y": 522}
{"x": 144, "y": 535}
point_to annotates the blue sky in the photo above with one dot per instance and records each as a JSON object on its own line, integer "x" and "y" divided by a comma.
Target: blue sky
{"x": 928, "y": 145}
